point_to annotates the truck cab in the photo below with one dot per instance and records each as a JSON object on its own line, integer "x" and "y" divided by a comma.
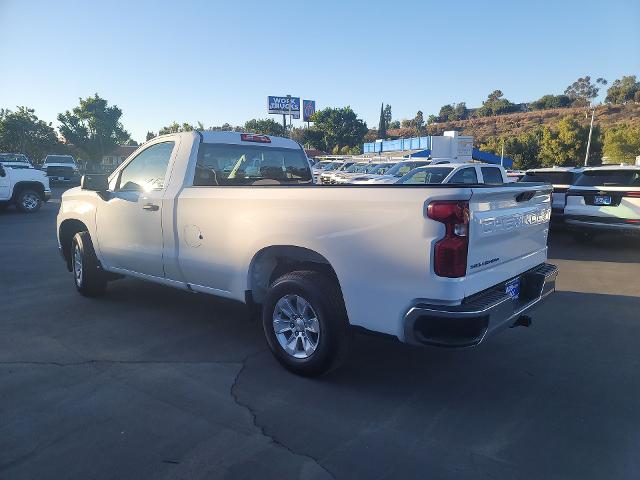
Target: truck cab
{"x": 60, "y": 168}
{"x": 26, "y": 188}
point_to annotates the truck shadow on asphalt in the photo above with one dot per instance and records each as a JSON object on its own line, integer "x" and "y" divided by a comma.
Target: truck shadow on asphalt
{"x": 567, "y": 380}
{"x": 605, "y": 248}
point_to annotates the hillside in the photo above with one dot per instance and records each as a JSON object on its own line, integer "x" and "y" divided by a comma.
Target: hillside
{"x": 515, "y": 123}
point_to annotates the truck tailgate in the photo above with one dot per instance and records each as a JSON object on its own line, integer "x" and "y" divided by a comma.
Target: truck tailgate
{"x": 508, "y": 230}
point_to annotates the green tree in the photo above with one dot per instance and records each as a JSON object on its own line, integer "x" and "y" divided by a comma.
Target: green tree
{"x": 495, "y": 104}
{"x": 149, "y": 136}
{"x": 266, "y": 127}
{"x": 622, "y": 143}
{"x": 524, "y": 149}
{"x": 583, "y": 90}
{"x": 23, "y": 132}
{"x": 432, "y": 119}
{"x": 395, "y": 124}
{"x": 623, "y": 90}
{"x": 338, "y": 127}
{"x": 175, "y": 127}
{"x": 566, "y": 143}
{"x": 446, "y": 111}
{"x": 382, "y": 124}
{"x": 460, "y": 112}
{"x": 418, "y": 121}
{"x": 551, "y": 101}
{"x": 387, "y": 115}
{"x": 93, "y": 127}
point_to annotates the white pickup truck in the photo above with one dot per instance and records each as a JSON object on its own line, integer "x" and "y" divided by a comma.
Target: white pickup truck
{"x": 26, "y": 188}
{"x": 237, "y": 215}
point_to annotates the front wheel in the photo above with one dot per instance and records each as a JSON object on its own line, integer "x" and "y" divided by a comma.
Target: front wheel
{"x": 305, "y": 322}
{"x": 28, "y": 201}
{"x": 89, "y": 279}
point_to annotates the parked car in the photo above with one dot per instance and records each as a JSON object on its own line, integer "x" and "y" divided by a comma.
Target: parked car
{"x": 328, "y": 176}
{"x": 60, "y": 168}
{"x": 561, "y": 178}
{"x": 355, "y": 170}
{"x": 325, "y": 167}
{"x": 26, "y": 188}
{"x": 470, "y": 173}
{"x": 373, "y": 173}
{"x": 399, "y": 170}
{"x": 445, "y": 265}
{"x": 604, "y": 200}
{"x": 15, "y": 160}
{"x": 515, "y": 175}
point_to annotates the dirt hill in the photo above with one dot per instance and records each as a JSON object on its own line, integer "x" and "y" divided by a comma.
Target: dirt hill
{"x": 513, "y": 124}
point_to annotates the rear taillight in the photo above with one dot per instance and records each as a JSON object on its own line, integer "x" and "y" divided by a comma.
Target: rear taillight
{"x": 632, "y": 194}
{"x": 250, "y": 137}
{"x": 450, "y": 252}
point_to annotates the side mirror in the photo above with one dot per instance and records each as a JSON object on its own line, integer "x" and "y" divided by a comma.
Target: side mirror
{"x": 95, "y": 182}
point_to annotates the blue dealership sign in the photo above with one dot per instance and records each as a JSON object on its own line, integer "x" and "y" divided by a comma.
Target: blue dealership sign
{"x": 280, "y": 105}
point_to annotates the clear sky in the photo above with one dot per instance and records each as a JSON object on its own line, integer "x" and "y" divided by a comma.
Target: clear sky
{"x": 216, "y": 62}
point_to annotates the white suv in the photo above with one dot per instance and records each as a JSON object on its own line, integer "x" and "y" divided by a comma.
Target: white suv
{"x": 604, "y": 199}
{"x": 561, "y": 178}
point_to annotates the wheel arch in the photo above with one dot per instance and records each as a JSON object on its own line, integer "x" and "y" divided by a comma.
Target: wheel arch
{"x": 27, "y": 184}
{"x": 274, "y": 261}
{"x": 68, "y": 228}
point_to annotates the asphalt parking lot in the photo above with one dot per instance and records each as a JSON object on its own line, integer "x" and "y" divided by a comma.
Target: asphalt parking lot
{"x": 150, "y": 382}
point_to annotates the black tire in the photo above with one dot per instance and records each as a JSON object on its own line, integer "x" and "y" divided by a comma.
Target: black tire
{"x": 325, "y": 299}
{"x": 88, "y": 277}
{"x": 583, "y": 237}
{"x": 28, "y": 201}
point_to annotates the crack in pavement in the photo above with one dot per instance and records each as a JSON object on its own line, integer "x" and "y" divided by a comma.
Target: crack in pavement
{"x": 262, "y": 430}
{"x": 234, "y": 395}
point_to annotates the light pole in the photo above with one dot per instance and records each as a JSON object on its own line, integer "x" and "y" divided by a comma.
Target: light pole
{"x": 289, "y": 103}
{"x": 586, "y": 156}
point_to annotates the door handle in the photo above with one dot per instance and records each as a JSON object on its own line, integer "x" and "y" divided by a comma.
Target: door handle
{"x": 151, "y": 207}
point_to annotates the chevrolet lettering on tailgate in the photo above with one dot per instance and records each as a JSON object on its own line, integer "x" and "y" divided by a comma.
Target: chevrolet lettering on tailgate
{"x": 513, "y": 221}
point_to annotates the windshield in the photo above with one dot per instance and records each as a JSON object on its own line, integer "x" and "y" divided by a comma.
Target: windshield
{"x": 14, "y": 157}
{"x": 557, "y": 178}
{"x": 613, "y": 178}
{"x": 333, "y": 166}
{"x": 344, "y": 166}
{"x": 426, "y": 175}
{"x": 59, "y": 159}
{"x": 321, "y": 165}
{"x": 403, "y": 168}
{"x": 355, "y": 168}
{"x": 382, "y": 168}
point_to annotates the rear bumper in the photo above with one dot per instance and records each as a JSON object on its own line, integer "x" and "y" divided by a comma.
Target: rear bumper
{"x": 480, "y": 315}
{"x": 604, "y": 224}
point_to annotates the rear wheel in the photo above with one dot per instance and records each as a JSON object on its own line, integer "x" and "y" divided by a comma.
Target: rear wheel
{"x": 89, "y": 279}
{"x": 305, "y": 323}
{"x": 28, "y": 201}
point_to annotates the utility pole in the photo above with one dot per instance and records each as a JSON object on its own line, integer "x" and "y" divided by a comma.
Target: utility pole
{"x": 289, "y": 103}
{"x": 502, "y": 155}
{"x": 586, "y": 157}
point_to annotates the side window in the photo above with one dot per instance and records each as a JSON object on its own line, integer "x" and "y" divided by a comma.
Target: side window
{"x": 224, "y": 164}
{"x": 492, "y": 175}
{"x": 147, "y": 170}
{"x": 419, "y": 177}
{"x": 466, "y": 175}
